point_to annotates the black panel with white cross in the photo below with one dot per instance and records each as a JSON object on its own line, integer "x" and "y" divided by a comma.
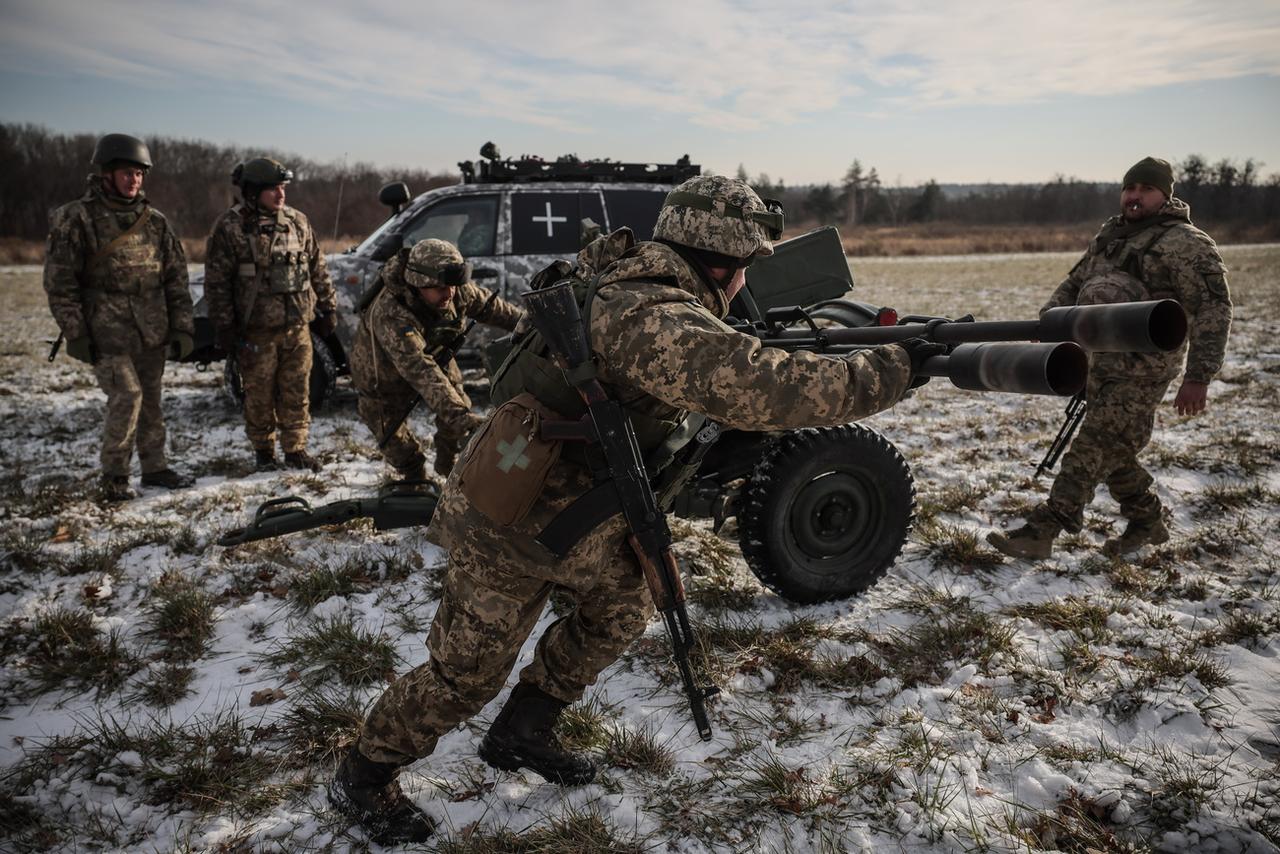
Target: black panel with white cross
{"x": 550, "y": 223}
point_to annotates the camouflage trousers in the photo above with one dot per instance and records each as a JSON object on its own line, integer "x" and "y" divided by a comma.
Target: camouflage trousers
{"x": 403, "y": 451}
{"x": 275, "y": 372}
{"x": 1117, "y": 426}
{"x": 488, "y": 608}
{"x": 132, "y": 384}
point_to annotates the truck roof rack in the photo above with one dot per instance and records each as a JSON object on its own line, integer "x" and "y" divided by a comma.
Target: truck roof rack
{"x": 529, "y": 169}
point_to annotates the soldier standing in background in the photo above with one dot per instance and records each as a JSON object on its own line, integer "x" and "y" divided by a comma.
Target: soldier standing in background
{"x": 116, "y": 278}
{"x": 266, "y": 281}
{"x": 405, "y": 347}
{"x": 1150, "y": 250}
{"x": 658, "y": 342}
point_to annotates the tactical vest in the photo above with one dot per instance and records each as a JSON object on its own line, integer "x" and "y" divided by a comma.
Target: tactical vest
{"x": 1130, "y": 256}
{"x": 527, "y": 367}
{"x": 441, "y": 335}
{"x": 133, "y": 267}
{"x": 283, "y": 267}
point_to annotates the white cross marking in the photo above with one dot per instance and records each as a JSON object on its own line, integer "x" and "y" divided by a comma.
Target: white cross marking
{"x": 549, "y": 219}
{"x": 513, "y": 454}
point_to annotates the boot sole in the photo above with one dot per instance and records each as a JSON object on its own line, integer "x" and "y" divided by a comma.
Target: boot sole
{"x": 506, "y": 759}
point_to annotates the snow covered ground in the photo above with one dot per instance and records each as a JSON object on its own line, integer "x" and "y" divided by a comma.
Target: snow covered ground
{"x": 160, "y": 693}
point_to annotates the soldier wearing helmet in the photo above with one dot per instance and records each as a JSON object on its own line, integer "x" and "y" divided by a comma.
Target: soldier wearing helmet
{"x": 268, "y": 290}
{"x": 409, "y": 332}
{"x": 653, "y": 313}
{"x": 116, "y": 278}
{"x": 1150, "y": 250}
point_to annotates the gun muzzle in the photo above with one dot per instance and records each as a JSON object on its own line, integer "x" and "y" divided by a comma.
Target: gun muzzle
{"x": 1056, "y": 369}
{"x": 1154, "y": 326}
{"x": 555, "y": 314}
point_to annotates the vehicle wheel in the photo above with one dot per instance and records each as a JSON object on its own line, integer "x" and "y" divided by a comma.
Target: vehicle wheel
{"x": 826, "y": 512}
{"x": 324, "y": 376}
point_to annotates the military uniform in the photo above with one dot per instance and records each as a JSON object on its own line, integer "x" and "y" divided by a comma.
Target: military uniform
{"x": 1162, "y": 257}
{"x": 399, "y": 355}
{"x": 661, "y": 347}
{"x": 116, "y": 274}
{"x": 265, "y": 280}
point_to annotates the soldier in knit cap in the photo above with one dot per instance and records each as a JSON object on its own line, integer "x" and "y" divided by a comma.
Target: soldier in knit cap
{"x": 1150, "y": 250}
{"x": 652, "y": 314}
{"x": 116, "y": 278}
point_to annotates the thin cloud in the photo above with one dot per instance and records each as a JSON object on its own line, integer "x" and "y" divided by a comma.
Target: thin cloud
{"x": 731, "y": 66}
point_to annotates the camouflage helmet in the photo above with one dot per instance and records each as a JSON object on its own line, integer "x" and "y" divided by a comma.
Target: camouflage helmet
{"x": 261, "y": 172}
{"x": 435, "y": 263}
{"x": 115, "y": 147}
{"x": 721, "y": 215}
{"x": 1111, "y": 286}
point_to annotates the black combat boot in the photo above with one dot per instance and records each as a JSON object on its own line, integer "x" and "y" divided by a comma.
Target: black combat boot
{"x": 115, "y": 487}
{"x": 369, "y": 794}
{"x": 264, "y": 459}
{"x": 300, "y": 459}
{"x": 522, "y": 737}
{"x": 168, "y": 478}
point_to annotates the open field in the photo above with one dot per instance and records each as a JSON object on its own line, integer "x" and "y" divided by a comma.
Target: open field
{"x": 159, "y": 693}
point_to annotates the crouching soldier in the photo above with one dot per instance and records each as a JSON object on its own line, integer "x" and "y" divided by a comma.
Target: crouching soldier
{"x": 404, "y": 349}
{"x": 652, "y": 316}
{"x": 116, "y": 278}
{"x": 266, "y": 282}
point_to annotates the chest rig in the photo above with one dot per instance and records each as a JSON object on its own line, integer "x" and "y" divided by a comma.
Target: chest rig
{"x": 273, "y": 254}
{"x": 1133, "y": 255}
{"x": 128, "y": 258}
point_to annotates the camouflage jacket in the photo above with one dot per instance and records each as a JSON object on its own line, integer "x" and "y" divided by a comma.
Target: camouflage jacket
{"x": 1173, "y": 260}
{"x": 399, "y": 343}
{"x": 264, "y": 271}
{"x": 661, "y": 347}
{"x": 128, "y": 300}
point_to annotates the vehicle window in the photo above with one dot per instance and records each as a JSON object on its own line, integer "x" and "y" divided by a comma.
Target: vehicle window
{"x": 468, "y": 222}
{"x": 635, "y": 208}
{"x": 551, "y": 223}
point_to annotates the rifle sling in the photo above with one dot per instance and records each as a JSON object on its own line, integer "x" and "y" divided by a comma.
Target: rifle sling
{"x": 587, "y": 512}
{"x": 119, "y": 240}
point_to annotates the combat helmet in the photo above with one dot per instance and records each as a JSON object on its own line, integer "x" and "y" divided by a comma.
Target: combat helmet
{"x": 260, "y": 172}
{"x": 722, "y": 216}
{"x": 120, "y": 147}
{"x": 1111, "y": 286}
{"x": 435, "y": 263}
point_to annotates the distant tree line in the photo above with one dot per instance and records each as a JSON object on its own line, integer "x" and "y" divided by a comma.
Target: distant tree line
{"x": 190, "y": 183}
{"x": 1221, "y": 192}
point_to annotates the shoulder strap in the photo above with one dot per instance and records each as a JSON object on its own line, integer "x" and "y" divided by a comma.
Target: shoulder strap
{"x": 119, "y": 240}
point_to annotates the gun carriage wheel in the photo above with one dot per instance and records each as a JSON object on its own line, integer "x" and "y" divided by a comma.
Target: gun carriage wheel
{"x": 826, "y": 512}
{"x": 324, "y": 375}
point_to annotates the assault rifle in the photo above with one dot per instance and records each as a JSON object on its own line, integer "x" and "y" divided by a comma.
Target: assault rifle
{"x": 398, "y": 505}
{"x": 446, "y": 354}
{"x": 1075, "y": 414}
{"x": 555, "y": 314}
{"x": 983, "y": 358}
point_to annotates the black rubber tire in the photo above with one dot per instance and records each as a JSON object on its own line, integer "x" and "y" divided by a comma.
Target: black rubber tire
{"x": 826, "y": 512}
{"x": 324, "y": 376}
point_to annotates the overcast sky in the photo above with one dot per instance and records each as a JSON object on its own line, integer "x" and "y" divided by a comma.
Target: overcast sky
{"x": 979, "y": 91}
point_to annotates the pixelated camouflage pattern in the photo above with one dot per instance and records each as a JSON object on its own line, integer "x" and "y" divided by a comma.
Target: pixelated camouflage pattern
{"x": 275, "y": 371}
{"x": 1172, "y": 260}
{"x": 131, "y": 299}
{"x": 395, "y": 357}
{"x": 132, "y": 383}
{"x": 402, "y": 451}
{"x": 661, "y": 349}
{"x": 431, "y": 254}
{"x": 712, "y": 231}
{"x": 236, "y": 297}
{"x": 1117, "y": 425}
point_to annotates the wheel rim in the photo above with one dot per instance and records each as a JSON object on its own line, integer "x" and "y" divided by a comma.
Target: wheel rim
{"x": 832, "y": 514}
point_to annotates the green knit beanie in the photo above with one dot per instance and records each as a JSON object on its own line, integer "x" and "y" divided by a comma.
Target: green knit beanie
{"x": 1151, "y": 171}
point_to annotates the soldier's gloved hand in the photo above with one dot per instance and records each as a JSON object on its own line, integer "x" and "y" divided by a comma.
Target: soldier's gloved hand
{"x": 919, "y": 349}
{"x": 225, "y": 338}
{"x": 82, "y": 348}
{"x": 325, "y": 324}
{"x": 180, "y": 345}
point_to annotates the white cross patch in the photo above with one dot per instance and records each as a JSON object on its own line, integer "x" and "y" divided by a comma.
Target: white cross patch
{"x": 513, "y": 454}
{"x": 549, "y": 219}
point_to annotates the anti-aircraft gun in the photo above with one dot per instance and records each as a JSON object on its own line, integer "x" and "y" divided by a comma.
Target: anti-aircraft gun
{"x": 824, "y": 512}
